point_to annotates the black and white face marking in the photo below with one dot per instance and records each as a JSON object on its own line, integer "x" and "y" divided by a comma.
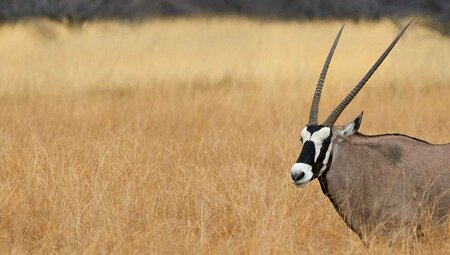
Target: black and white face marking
{"x": 315, "y": 154}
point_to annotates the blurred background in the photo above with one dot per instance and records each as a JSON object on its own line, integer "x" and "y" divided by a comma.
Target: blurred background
{"x": 81, "y": 10}
{"x": 170, "y": 126}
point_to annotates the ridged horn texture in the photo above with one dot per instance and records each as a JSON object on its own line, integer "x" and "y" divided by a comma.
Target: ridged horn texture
{"x": 335, "y": 114}
{"x": 313, "y": 114}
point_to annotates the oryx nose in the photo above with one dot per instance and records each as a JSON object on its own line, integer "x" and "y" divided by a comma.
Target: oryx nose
{"x": 296, "y": 176}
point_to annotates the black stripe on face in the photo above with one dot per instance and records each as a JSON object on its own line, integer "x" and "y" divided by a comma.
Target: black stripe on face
{"x": 313, "y": 128}
{"x": 308, "y": 153}
{"x": 322, "y": 154}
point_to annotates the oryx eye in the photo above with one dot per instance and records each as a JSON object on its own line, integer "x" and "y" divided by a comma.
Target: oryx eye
{"x": 301, "y": 139}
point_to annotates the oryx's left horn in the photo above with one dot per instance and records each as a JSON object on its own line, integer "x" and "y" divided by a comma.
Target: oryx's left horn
{"x": 316, "y": 99}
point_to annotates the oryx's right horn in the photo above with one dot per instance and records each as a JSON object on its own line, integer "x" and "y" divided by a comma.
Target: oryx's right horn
{"x": 338, "y": 110}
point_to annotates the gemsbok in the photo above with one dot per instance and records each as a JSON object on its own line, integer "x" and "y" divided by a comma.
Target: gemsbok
{"x": 377, "y": 183}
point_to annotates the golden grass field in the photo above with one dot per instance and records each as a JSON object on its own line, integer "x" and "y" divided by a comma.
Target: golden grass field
{"x": 177, "y": 136}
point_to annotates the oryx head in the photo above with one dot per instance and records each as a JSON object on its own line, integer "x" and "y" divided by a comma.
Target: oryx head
{"x": 317, "y": 151}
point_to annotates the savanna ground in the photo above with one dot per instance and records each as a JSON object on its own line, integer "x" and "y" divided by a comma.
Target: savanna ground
{"x": 177, "y": 136}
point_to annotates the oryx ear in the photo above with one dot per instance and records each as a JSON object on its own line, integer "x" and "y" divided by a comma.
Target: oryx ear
{"x": 351, "y": 128}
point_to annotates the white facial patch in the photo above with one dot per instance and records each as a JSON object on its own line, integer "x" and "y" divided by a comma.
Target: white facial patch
{"x": 317, "y": 138}
{"x": 305, "y": 134}
{"x": 325, "y": 160}
{"x": 299, "y": 168}
{"x": 302, "y": 172}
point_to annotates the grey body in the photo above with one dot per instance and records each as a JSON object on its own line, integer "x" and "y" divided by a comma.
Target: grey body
{"x": 389, "y": 181}
{"x": 378, "y": 184}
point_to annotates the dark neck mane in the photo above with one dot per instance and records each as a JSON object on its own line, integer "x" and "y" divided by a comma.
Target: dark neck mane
{"x": 360, "y": 135}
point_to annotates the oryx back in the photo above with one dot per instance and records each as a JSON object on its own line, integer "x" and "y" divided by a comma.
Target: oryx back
{"x": 388, "y": 181}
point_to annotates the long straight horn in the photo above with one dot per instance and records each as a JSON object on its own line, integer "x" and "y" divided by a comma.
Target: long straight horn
{"x": 316, "y": 99}
{"x": 335, "y": 114}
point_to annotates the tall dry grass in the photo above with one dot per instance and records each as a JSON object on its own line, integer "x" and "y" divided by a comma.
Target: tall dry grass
{"x": 177, "y": 136}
